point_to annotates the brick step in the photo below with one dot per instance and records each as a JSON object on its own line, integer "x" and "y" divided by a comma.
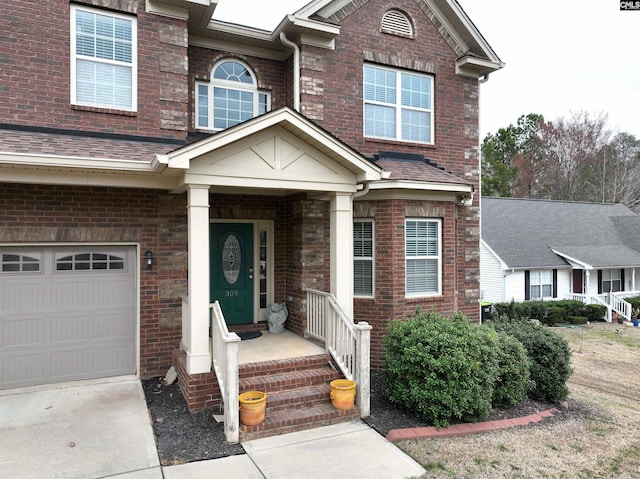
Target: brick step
{"x": 299, "y": 419}
{"x": 283, "y": 365}
{"x": 270, "y": 383}
{"x": 299, "y": 398}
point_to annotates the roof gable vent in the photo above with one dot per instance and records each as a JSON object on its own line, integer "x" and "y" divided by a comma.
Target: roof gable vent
{"x": 396, "y": 22}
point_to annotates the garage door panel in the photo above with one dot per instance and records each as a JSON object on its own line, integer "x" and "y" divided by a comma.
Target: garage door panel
{"x": 21, "y": 332}
{"x": 112, "y": 325}
{"x": 72, "y": 316}
{"x": 20, "y": 369}
{"x": 70, "y": 328}
{"x": 20, "y": 296}
{"x": 68, "y": 294}
{"x": 113, "y": 360}
{"x": 70, "y": 363}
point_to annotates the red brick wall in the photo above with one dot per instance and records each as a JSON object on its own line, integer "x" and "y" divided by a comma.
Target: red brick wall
{"x": 153, "y": 219}
{"x": 35, "y": 78}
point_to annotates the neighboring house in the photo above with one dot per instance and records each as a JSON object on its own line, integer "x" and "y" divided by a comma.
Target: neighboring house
{"x": 154, "y": 162}
{"x": 544, "y": 250}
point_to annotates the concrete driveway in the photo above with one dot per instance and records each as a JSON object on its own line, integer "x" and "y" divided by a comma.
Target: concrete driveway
{"x": 90, "y": 430}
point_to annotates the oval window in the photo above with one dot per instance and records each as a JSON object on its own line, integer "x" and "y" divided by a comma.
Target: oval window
{"x": 231, "y": 258}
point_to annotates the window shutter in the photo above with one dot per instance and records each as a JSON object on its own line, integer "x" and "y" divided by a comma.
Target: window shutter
{"x": 599, "y": 281}
{"x": 527, "y": 286}
{"x": 622, "y": 279}
{"x": 555, "y": 283}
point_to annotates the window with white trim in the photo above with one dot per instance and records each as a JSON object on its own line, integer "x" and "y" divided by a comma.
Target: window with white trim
{"x": 423, "y": 258}
{"x": 363, "y": 257}
{"x": 611, "y": 280}
{"x": 541, "y": 284}
{"x": 398, "y": 105}
{"x": 89, "y": 262}
{"x": 231, "y": 97}
{"x": 103, "y": 59}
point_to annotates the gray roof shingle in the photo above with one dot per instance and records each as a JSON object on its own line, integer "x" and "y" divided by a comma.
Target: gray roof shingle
{"x": 524, "y": 233}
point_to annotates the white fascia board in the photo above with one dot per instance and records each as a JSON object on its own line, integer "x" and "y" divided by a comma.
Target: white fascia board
{"x": 572, "y": 260}
{"x": 447, "y": 25}
{"x": 238, "y": 48}
{"x": 75, "y": 162}
{"x": 405, "y": 194}
{"x": 314, "y": 25}
{"x": 317, "y": 6}
{"x": 470, "y": 66}
{"x": 241, "y": 30}
{"x": 53, "y": 176}
{"x": 421, "y": 185}
{"x": 503, "y": 265}
{"x": 166, "y": 10}
{"x": 181, "y": 158}
{"x": 260, "y": 183}
{"x": 475, "y": 33}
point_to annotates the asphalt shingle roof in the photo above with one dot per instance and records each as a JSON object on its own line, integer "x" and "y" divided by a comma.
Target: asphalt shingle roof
{"x": 524, "y": 233}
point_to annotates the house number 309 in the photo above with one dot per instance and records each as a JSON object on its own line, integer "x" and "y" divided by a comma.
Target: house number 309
{"x": 230, "y": 293}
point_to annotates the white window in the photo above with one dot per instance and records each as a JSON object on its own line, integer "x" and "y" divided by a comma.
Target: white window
{"x": 611, "y": 280}
{"x": 19, "y": 263}
{"x": 422, "y": 257}
{"x": 231, "y": 97}
{"x": 103, "y": 59}
{"x": 541, "y": 284}
{"x": 398, "y": 105}
{"x": 363, "y": 259}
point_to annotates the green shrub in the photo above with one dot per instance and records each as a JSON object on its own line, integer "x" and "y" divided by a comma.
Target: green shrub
{"x": 578, "y": 319}
{"x": 443, "y": 369}
{"x": 549, "y": 354}
{"x": 554, "y": 315}
{"x": 594, "y": 312}
{"x": 512, "y": 383}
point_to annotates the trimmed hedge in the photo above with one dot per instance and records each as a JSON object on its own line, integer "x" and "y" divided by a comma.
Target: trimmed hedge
{"x": 550, "y": 357}
{"x": 548, "y": 312}
{"x": 443, "y": 369}
{"x": 513, "y": 382}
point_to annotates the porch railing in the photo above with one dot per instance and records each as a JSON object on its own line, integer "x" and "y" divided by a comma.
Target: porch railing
{"x": 592, "y": 299}
{"x": 617, "y": 302}
{"x": 224, "y": 355}
{"x": 349, "y": 344}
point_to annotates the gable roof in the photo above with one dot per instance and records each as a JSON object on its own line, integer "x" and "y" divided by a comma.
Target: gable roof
{"x": 526, "y": 233}
{"x": 319, "y": 23}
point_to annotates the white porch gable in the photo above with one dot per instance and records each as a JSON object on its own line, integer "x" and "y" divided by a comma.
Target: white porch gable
{"x": 275, "y": 153}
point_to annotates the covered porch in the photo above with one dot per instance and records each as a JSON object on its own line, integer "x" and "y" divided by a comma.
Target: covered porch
{"x": 269, "y": 216}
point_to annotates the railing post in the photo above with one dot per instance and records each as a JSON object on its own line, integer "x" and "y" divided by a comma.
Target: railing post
{"x": 329, "y": 326}
{"x": 363, "y": 363}
{"x": 231, "y": 413}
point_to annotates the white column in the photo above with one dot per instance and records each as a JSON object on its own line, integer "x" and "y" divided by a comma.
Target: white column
{"x": 341, "y": 214}
{"x": 198, "y": 344}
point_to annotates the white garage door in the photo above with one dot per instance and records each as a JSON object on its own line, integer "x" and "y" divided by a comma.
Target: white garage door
{"x": 66, "y": 314}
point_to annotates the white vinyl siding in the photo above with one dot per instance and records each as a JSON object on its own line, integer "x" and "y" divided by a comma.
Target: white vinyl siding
{"x": 422, "y": 257}
{"x": 398, "y": 105}
{"x": 363, "y": 258}
{"x": 103, "y": 59}
{"x": 491, "y": 276}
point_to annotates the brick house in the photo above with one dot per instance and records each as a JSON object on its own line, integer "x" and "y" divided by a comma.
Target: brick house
{"x": 153, "y": 162}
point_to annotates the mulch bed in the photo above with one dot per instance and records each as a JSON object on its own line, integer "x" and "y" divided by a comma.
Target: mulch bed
{"x": 184, "y": 437}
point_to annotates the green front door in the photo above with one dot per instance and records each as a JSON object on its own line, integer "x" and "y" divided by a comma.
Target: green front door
{"x": 232, "y": 270}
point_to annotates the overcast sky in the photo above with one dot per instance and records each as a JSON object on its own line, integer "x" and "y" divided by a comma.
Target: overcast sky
{"x": 561, "y": 56}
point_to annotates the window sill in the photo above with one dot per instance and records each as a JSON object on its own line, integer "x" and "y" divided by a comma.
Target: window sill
{"x": 388, "y": 141}
{"x": 418, "y": 299}
{"x": 109, "y": 111}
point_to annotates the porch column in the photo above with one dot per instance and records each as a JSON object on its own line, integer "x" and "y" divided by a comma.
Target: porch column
{"x": 341, "y": 214}
{"x": 198, "y": 353}
{"x": 587, "y": 281}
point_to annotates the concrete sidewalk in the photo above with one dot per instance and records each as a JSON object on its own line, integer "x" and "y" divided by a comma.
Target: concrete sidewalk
{"x": 352, "y": 450}
{"x": 102, "y": 429}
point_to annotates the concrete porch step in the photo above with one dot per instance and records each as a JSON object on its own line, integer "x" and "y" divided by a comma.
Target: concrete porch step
{"x": 292, "y": 420}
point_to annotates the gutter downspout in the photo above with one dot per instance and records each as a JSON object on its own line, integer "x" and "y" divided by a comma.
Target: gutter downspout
{"x": 296, "y": 70}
